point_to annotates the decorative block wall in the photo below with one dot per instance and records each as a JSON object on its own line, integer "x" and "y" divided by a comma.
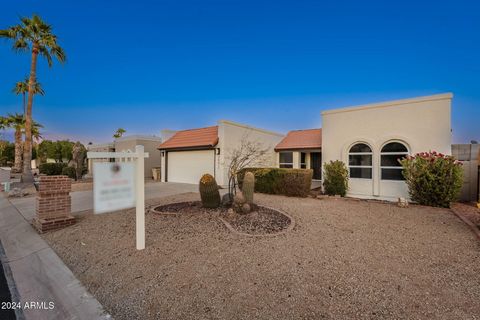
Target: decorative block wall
{"x": 53, "y": 203}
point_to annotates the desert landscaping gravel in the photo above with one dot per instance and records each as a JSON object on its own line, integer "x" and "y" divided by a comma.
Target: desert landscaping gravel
{"x": 344, "y": 259}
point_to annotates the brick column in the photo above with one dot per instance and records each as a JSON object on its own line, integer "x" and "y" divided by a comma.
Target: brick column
{"x": 53, "y": 204}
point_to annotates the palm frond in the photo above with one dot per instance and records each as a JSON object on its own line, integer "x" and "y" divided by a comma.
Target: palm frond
{"x": 46, "y": 54}
{"x": 32, "y": 33}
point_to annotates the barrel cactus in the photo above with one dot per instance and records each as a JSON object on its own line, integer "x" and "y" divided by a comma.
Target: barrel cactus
{"x": 209, "y": 191}
{"x": 248, "y": 187}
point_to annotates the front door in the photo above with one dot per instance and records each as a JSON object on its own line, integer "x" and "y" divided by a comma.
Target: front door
{"x": 316, "y": 165}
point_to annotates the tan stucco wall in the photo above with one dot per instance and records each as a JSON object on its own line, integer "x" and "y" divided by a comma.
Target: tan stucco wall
{"x": 422, "y": 124}
{"x": 230, "y": 136}
{"x": 150, "y": 145}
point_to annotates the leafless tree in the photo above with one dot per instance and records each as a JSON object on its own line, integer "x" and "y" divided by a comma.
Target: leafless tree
{"x": 248, "y": 153}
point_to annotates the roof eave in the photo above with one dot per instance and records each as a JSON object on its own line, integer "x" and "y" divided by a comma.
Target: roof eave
{"x": 298, "y": 148}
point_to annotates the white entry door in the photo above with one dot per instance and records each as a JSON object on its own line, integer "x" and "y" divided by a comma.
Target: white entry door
{"x": 189, "y": 166}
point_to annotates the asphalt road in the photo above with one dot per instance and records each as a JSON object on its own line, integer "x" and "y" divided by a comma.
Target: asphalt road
{"x": 5, "y": 314}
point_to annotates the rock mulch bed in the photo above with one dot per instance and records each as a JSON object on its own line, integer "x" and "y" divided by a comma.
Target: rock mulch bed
{"x": 260, "y": 221}
{"x": 343, "y": 260}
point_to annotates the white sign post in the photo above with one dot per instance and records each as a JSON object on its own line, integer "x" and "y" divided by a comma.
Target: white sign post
{"x": 113, "y": 184}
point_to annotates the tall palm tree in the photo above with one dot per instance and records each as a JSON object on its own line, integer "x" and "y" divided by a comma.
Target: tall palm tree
{"x": 33, "y": 34}
{"x": 21, "y": 87}
{"x": 17, "y": 122}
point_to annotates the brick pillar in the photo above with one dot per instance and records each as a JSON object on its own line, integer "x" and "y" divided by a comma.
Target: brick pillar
{"x": 53, "y": 203}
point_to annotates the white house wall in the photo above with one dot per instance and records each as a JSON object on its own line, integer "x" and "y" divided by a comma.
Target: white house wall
{"x": 230, "y": 137}
{"x": 422, "y": 124}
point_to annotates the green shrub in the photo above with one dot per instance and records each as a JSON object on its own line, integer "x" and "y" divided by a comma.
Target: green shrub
{"x": 433, "y": 179}
{"x": 52, "y": 169}
{"x": 289, "y": 182}
{"x": 70, "y": 172}
{"x": 335, "y": 178}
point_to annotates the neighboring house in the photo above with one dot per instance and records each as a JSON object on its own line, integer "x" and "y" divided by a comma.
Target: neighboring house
{"x": 104, "y": 147}
{"x": 302, "y": 149}
{"x": 371, "y": 138}
{"x": 188, "y": 154}
{"x": 127, "y": 144}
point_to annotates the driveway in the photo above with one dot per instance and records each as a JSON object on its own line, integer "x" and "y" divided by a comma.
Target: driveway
{"x": 83, "y": 200}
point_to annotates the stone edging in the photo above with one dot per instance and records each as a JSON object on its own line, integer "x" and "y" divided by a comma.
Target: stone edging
{"x": 469, "y": 223}
{"x": 289, "y": 228}
{"x": 232, "y": 229}
{"x": 152, "y": 209}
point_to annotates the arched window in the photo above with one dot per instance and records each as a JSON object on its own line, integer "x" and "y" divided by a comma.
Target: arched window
{"x": 360, "y": 161}
{"x": 391, "y": 153}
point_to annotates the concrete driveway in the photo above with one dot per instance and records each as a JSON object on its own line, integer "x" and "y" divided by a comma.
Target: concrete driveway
{"x": 83, "y": 200}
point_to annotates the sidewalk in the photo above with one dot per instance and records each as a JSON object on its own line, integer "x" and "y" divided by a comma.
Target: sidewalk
{"x": 39, "y": 274}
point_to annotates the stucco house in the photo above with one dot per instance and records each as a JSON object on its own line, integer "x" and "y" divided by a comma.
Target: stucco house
{"x": 370, "y": 139}
{"x": 302, "y": 149}
{"x": 188, "y": 154}
{"x": 128, "y": 143}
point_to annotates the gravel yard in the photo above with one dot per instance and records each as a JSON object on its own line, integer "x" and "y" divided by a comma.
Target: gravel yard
{"x": 344, "y": 259}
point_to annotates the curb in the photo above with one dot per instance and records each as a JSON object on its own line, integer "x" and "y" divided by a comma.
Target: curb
{"x": 40, "y": 276}
{"x": 11, "y": 283}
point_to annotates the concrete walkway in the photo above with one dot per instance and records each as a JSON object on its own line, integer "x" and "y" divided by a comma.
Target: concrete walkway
{"x": 83, "y": 200}
{"x": 39, "y": 275}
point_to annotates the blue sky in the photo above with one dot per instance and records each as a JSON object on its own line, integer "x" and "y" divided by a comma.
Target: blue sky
{"x": 149, "y": 65}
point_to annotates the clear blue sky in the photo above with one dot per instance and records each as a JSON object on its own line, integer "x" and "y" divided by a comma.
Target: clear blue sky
{"x": 149, "y": 65}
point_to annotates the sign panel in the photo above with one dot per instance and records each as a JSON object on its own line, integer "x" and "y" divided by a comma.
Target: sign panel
{"x": 113, "y": 186}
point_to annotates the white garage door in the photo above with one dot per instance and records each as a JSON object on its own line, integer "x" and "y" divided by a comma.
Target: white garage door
{"x": 189, "y": 166}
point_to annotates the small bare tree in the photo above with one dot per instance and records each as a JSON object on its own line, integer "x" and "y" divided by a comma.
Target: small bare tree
{"x": 248, "y": 153}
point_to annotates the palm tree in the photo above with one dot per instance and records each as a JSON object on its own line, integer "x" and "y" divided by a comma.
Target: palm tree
{"x": 34, "y": 35}
{"x": 119, "y": 133}
{"x": 21, "y": 87}
{"x": 17, "y": 122}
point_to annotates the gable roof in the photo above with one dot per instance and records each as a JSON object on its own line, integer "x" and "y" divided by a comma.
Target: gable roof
{"x": 192, "y": 138}
{"x": 301, "y": 139}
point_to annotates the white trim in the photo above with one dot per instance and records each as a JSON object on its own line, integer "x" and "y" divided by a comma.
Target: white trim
{"x": 392, "y": 154}
{"x": 443, "y": 96}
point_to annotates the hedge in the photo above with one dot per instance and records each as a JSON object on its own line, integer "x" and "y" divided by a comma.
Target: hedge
{"x": 289, "y": 182}
{"x": 70, "y": 172}
{"x": 52, "y": 169}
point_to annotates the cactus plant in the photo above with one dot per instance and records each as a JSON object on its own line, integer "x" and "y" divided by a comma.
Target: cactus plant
{"x": 248, "y": 187}
{"x": 209, "y": 191}
{"x": 239, "y": 202}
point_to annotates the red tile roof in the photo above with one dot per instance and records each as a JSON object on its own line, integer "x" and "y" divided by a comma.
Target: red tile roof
{"x": 301, "y": 139}
{"x": 192, "y": 138}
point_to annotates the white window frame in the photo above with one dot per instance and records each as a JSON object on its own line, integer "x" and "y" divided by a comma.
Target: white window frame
{"x": 303, "y": 165}
{"x": 392, "y": 153}
{"x": 359, "y": 154}
{"x": 285, "y": 163}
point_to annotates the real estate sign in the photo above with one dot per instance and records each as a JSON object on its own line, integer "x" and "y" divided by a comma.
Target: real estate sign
{"x": 113, "y": 186}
